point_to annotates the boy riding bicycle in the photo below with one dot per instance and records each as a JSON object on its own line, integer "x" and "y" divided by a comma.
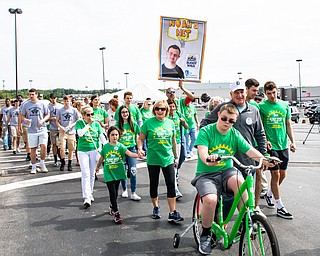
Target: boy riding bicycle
{"x": 214, "y": 176}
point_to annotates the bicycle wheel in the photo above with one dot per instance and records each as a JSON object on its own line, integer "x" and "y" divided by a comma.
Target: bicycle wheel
{"x": 196, "y": 216}
{"x": 263, "y": 239}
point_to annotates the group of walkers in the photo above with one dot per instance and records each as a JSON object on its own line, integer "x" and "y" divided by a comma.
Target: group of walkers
{"x": 165, "y": 134}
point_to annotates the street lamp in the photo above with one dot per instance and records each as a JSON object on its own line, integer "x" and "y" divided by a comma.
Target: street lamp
{"x": 299, "y": 79}
{"x": 15, "y": 12}
{"x": 30, "y": 81}
{"x": 126, "y": 74}
{"x": 107, "y": 81}
{"x": 103, "y": 76}
{"x": 239, "y": 73}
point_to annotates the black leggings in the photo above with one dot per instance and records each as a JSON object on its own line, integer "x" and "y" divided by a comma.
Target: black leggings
{"x": 169, "y": 177}
{"x": 113, "y": 187}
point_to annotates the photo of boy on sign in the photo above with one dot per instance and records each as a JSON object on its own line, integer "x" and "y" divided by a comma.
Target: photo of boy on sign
{"x": 181, "y": 49}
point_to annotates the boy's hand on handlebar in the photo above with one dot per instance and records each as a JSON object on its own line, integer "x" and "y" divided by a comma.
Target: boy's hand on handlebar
{"x": 212, "y": 159}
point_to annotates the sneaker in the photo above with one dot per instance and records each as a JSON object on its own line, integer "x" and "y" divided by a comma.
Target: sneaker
{"x": 30, "y": 165}
{"x": 257, "y": 210}
{"x": 18, "y": 150}
{"x": 156, "y": 213}
{"x": 56, "y": 164}
{"x": 70, "y": 168}
{"x": 87, "y": 203}
{"x": 117, "y": 218}
{"x": 43, "y": 168}
{"x": 263, "y": 194}
{"x": 95, "y": 177}
{"x": 205, "y": 245}
{"x": 92, "y": 198}
{"x": 178, "y": 194}
{"x": 188, "y": 156}
{"x": 283, "y": 213}
{"x": 125, "y": 194}
{"x": 28, "y": 158}
{"x": 269, "y": 201}
{"x": 111, "y": 211}
{"x": 14, "y": 152}
{"x": 33, "y": 170}
{"x": 175, "y": 216}
{"x": 135, "y": 197}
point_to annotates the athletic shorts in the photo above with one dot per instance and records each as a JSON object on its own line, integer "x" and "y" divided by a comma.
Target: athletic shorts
{"x": 54, "y": 136}
{"x": 214, "y": 183}
{"x": 34, "y": 139}
{"x": 14, "y": 131}
{"x": 283, "y": 155}
{"x": 70, "y": 138}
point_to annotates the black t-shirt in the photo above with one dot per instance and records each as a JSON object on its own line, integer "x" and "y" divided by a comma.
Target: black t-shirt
{"x": 175, "y": 72}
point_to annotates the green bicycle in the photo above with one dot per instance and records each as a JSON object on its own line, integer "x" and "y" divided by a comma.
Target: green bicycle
{"x": 253, "y": 230}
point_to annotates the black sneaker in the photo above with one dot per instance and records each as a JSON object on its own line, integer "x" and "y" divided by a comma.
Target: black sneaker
{"x": 156, "y": 213}
{"x": 263, "y": 194}
{"x": 117, "y": 218}
{"x": 175, "y": 216}
{"x": 205, "y": 245}
{"x": 28, "y": 158}
{"x": 14, "y": 152}
{"x": 269, "y": 201}
{"x": 70, "y": 168}
{"x": 283, "y": 213}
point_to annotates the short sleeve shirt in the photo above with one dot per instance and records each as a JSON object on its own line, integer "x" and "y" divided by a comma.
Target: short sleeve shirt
{"x": 113, "y": 168}
{"x": 90, "y": 140}
{"x": 99, "y": 114}
{"x": 35, "y": 111}
{"x": 14, "y": 116}
{"x": 274, "y": 117}
{"x": 221, "y": 144}
{"x": 134, "y": 111}
{"x": 53, "y": 113}
{"x": 159, "y": 135}
{"x": 68, "y": 116}
{"x": 128, "y": 137}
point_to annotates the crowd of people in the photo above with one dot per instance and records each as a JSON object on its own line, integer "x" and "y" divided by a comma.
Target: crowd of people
{"x": 164, "y": 133}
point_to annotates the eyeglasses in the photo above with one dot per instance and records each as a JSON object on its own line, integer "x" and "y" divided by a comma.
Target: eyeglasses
{"x": 225, "y": 119}
{"x": 124, "y": 112}
{"x": 171, "y": 92}
{"x": 162, "y": 109}
{"x": 90, "y": 114}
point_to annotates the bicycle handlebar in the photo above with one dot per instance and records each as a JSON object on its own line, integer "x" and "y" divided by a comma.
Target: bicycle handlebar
{"x": 271, "y": 159}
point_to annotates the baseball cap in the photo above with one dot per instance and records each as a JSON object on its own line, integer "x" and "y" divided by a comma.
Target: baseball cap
{"x": 41, "y": 95}
{"x": 237, "y": 86}
{"x": 52, "y": 96}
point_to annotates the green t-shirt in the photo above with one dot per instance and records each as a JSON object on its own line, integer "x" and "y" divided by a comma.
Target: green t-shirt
{"x": 134, "y": 111}
{"x": 159, "y": 135}
{"x": 189, "y": 112}
{"x": 99, "y": 114}
{"x": 253, "y": 103}
{"x": 274, "y": 117}
{"x": 176, "y": 120}
{"x": 113, "y": 168}
{"x": 85, "y": 142}
{"x": 221, "y": 144}
{"x": 146, "y": 114}
{"x": 128, "y": 137}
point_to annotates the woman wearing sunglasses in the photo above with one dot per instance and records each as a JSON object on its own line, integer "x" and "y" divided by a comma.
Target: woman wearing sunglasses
{"x": 162, "y": 154}
{"x": 90, "y": 138}
{"x": 130, "y": 139}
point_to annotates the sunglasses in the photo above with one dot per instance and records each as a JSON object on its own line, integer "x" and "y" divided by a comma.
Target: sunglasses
{"x": 225, "y": 119}
{"x": 162, "y": 109}
{"x": 91, "y": 114}
{"x": 171, "y": 92}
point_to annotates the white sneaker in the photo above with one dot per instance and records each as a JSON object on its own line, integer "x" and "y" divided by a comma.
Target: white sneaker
{"x": 135, "y": 197}
{"x": 33, "y": 171}
{"x": 18, "y": 150}
{"x": 92, "y": 198}
{"x": 125, "y": 193}
{"x": 56, "y": 164}
{"x": 258, "y": 211}
{"x": 87, "y": 203}
{"x": 43, "y": 168}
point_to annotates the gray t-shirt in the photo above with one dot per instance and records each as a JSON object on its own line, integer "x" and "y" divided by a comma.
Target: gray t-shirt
{"x": 5, "y": 111}
{"x": 21, "y": 105}
{"x": 53, "y": 113}
{"x": 35, "y": 111}
{"x": 68, "y": 116}
{"x": 14, "y": 116}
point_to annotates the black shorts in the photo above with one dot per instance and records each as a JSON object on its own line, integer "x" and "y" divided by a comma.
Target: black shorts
{"x": 283, "y": 155}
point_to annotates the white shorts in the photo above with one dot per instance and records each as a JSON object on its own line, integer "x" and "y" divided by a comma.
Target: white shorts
{"x": 34, "y": 139}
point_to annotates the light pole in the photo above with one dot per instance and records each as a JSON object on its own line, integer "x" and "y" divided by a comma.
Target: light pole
{"x": 239, "y": 73}
{"x": 126, "y": 74}
{"x": 300, "y": 90}
{"x": 103, "y": 76}
{"x": 15, "y": 12}
{"x": 107, "y": 81}
{"x": 30, "y": 82}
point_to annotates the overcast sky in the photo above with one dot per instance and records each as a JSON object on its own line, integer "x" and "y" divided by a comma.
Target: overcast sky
{"x": 59, "y": 41}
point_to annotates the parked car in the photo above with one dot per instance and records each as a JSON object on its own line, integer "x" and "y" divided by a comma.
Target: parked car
{"x": 308, "y": 111}
{"x": 295, "y": 114}
{"x": 315, "y": 116}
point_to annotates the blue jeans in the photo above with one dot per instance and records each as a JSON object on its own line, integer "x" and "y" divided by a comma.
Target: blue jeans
{"x": 183, "y": 152}
{"x": 131, "y": 167}
{"x": 7, "y": 140}
{"x": 192, "y": 133}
